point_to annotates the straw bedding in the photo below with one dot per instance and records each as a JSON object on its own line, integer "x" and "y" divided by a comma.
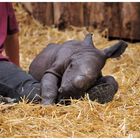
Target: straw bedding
{"x": 119, "y": 118}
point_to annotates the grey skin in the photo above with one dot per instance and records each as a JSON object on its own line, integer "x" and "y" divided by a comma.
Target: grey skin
{"x": 70, "y": 69}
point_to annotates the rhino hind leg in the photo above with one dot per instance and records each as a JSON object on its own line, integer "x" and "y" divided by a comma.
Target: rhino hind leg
{"x": 104, "y": 90}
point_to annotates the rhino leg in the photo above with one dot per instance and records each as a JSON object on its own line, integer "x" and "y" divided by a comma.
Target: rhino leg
{"x": 104, "y": 90}
{"x": 49, "y": 88}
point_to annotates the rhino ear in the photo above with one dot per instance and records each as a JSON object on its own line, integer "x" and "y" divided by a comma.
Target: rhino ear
{"x": 116, "y": 50}
{"x": 88, "y": 40}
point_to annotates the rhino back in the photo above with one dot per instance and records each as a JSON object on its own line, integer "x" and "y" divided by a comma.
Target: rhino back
{"x": 65, "y": 55}
{"x": 43, "y": 61}
{"x": 56, "y": 58}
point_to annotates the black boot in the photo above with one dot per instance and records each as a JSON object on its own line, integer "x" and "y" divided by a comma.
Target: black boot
{"x": 104, "y": 90}
{"x": 8, "y": 94}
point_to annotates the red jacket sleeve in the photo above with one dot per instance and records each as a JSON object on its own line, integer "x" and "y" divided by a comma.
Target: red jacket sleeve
{"x": 12, "y": 26}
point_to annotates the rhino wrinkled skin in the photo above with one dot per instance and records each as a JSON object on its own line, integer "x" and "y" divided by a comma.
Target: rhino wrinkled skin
{"x": 72, "y": 68}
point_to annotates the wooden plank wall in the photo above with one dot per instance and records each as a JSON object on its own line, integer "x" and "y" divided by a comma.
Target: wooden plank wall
{"x": 122, "y": 20}
{"x": 68, "y": 14}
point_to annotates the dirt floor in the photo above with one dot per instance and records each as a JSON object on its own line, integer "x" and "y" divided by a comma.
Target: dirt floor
{"x": 119, "y": 118}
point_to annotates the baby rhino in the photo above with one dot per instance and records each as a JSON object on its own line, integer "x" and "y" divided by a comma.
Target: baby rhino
{"x": 71, "y": 69}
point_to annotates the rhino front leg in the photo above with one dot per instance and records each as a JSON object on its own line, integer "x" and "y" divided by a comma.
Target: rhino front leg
{"x": 49, "y": 88}
{"x": 104, "y": 89}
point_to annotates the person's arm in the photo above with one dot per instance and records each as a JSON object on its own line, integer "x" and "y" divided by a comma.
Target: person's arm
{"x": 12, "y": 48}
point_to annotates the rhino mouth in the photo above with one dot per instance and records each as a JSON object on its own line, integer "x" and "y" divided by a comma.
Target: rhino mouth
{"x": 66, "y": 88}
{"x": 72, "y": 91}
{"x": 74, "y": 94}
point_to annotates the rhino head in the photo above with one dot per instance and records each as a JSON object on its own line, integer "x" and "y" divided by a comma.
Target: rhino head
{"x": 85, "y": 66}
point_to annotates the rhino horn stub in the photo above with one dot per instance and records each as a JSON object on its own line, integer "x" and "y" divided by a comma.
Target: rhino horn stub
{"x": 88, "y": 40}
